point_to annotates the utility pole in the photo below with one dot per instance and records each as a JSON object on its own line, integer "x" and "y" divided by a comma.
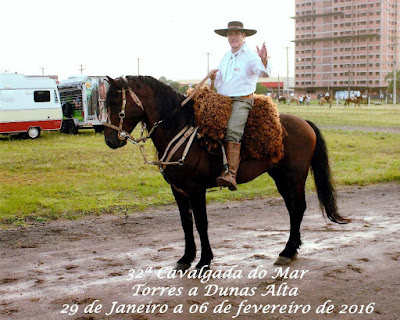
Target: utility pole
{"x": 138, "y": 65}
{"x": 287, "y": 69}
{"x": 81, "y": 68}
{"x": 395, "y": 74}
{"x": 395, "y": 44}
{"x": 279, "y": 88}
{"x": 348, "y": 82}
{"x": 208, "y": 61}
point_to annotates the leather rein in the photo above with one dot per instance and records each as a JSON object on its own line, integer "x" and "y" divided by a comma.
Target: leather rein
{"x": 187, "y": 133}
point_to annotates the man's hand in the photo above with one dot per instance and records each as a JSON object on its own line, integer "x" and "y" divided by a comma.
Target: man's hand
{"x": 212, "y": 74}
{"x": 262, "y": 53}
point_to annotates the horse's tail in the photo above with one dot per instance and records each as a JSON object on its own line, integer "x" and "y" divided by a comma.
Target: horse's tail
{"x": 323, "y": 179}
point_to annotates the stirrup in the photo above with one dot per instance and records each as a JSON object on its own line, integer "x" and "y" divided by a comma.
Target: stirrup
{"x": 228, "y": 181}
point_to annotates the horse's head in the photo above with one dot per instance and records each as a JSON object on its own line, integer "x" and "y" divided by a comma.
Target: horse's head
{"x": 125, "y": 111}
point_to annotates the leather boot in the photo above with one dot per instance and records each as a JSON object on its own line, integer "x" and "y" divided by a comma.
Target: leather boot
{"x": 228, "y": 179}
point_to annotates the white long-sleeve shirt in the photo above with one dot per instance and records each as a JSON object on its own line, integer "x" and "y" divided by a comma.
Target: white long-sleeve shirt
{"x": 241, "y": 79}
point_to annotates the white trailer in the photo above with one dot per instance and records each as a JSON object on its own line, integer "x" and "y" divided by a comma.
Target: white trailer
{"x": 83, "y": 103}
{"x": 28, "y": 105}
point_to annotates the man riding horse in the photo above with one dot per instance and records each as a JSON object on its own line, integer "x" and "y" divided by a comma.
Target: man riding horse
{"x": 236, "y": 77}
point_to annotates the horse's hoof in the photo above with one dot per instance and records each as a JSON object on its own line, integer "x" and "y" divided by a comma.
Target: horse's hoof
{"x": 283, "y": 261}
{"x": 200, "y": 271}
{"x": 182, "y": 266}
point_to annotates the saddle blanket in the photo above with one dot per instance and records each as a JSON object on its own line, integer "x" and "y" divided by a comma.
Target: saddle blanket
{"x": 263, "y": 135}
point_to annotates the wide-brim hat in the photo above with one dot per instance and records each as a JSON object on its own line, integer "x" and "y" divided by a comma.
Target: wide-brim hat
{"x": 235, "y": 26}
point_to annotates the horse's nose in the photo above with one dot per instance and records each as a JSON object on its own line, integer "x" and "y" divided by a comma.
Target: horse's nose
{"x": 111, "y": 144}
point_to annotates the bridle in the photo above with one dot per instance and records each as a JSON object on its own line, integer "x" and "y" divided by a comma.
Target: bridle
{"x": 188, "y": 132}
{"x": 122, "y": 134}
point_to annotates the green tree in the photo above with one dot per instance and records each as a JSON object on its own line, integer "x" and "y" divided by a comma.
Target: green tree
{"x": 261, "y": 89}
{"x": 390, "y": 77}
{"x": 173, "y": 84}
{"x": 183, "y": 89}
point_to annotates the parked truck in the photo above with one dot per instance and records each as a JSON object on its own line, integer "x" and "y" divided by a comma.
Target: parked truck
{"x": 83, "y": 103}
{"x": 28, "y": 105}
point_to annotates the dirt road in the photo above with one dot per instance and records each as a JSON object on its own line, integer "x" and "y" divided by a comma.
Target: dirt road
{"x": 107, "y": 267}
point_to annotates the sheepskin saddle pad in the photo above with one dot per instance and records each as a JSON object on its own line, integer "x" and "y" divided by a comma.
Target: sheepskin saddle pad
{"x": 263, "y": 135}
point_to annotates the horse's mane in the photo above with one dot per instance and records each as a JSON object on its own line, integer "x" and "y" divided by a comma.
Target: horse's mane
{"x": 168, "y": 100}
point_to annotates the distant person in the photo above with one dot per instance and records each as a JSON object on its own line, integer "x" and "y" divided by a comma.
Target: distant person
{"x": 78, "y": 103}
{"x": 236, "y": 77}
{"x": 307, "y": 99}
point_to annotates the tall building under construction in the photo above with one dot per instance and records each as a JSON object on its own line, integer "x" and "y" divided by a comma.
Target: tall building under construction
{"x": 346, "y": 45}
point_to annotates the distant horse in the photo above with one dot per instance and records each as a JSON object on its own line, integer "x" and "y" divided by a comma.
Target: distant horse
{"x": 347, "y": 102}
{"x": 144, "y": 99}
{"x": 363, "y": 100}
{"x": 294, "y": 99}
{"x": 282, "y": 99}
{"x": 324, "y": 100}
{"x": 355, "y": 100}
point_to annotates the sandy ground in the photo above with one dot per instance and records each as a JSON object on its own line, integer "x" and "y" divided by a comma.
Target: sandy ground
{"x": 80, "y": 269}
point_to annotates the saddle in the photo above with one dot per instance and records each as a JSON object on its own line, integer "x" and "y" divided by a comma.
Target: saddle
{"x": 263, "y": 135}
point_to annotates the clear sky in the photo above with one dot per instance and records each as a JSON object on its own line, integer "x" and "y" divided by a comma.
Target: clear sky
{"x": 170, "y": 37}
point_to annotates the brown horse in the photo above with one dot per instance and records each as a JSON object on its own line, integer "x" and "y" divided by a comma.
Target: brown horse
{"x": 293, "y": 99}
{"x": 358, "y": 101}
{"x": 324, "y": 100}
{"x": 144, "y": 99}
{"x": 355, "y": 100}
{"x": 281, "y": 99}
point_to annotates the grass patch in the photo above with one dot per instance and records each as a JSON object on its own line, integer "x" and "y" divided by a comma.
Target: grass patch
{"x": 366, "y": 116}
{"x": 67, "y": 176}
{"x": 360, "y": 158}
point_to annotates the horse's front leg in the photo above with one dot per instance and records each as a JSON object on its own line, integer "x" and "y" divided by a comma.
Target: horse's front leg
{"x": 198, "y": 202}
{"x": 187, "y": 225}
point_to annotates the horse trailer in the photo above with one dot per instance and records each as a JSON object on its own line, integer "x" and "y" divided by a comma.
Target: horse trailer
{"x": 83, "y": 103}
{"x": 28, "y": 105}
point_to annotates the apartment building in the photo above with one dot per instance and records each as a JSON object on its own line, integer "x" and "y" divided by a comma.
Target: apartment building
{"x": 345, "y": 45}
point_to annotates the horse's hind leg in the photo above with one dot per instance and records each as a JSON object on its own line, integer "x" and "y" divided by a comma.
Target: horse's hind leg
{"x": 292, "y": 191}
{"x": 198, "y": 202}
{"x": 187, "y": 225}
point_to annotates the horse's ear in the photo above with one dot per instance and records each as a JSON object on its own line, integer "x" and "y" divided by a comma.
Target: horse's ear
{"x": 112, "y": 81}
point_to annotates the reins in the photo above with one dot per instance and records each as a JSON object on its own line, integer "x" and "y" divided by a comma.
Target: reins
{"x": 198, "y": 88}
